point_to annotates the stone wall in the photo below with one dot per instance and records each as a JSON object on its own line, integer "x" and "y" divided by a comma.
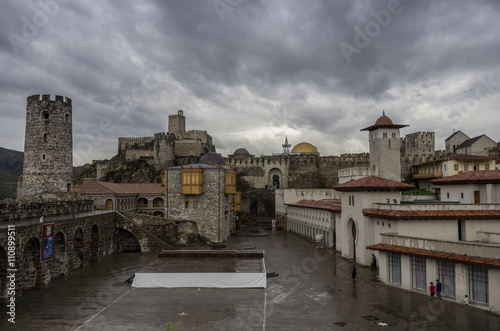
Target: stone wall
{"x": 77, "y": 241}
{"x": 210, "y": 214}
{"x": 21, "y": 210}
{"x": 175, "y": 233}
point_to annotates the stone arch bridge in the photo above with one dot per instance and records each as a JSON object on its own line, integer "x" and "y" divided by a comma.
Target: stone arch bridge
{"x": 80, "y": 239}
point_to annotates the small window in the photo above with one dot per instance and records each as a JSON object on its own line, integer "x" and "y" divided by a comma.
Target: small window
{"x": 455, "y": 167}
{"x": 389, "y": 225}
{"x": 487, "y": 166}
{"x": 67, "y": 118}
{"x": 466, "y": 167}
{"x": 448, "y": 195}
{"x": 133, "y": 156}
{"x": 384, "y": 135}
{"x": 45, "y": 115}
{"x": 43, "y": 157}
{"x": 186, "y": 202}
{"x": 44, "y": 136}
{"x": 462, "y": 195}
{"x": 195, "y": 203}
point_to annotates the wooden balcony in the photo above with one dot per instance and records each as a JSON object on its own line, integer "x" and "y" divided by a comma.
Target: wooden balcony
{"x": 428, "y": 175}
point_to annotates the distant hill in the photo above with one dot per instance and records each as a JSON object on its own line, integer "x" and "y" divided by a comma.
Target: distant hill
{"x": 11, "y": 167}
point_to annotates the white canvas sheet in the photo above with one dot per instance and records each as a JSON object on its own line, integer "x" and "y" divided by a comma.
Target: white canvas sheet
{"x": 217, "y": 280}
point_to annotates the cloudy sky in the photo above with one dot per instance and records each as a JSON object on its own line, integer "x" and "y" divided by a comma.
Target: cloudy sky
{"x": 251, "y": 72}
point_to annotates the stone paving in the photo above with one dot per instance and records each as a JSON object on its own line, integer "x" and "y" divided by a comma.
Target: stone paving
{"x": 312, "y": 291}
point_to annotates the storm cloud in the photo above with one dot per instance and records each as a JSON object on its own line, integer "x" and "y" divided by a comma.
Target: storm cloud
{"x": 252, "y": 72}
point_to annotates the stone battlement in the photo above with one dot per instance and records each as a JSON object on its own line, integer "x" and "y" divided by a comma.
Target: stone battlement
{"x": 46, "y": 97}
{"x": 21, "y": 210}
{"x": 136, "y": 138}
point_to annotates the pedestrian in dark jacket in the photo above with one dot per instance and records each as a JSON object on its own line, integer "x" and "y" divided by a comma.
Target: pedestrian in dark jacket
{"x": 353, "y": 273}
{"x": 374, "y": 262}
{"x": 438, "y": 288}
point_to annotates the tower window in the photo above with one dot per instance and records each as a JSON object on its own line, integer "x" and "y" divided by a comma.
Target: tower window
{"x": 45, "y": 115}
{"x": 43, "y": 157}
{"x": 67, "y": 118}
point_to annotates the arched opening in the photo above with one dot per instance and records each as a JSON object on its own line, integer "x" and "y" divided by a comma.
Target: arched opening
{"x": 351, "y": 238}
{"x": 142, "y": 203}
{"x": 60, "y": 268}
{"x": 274, "y": 178}
{"x": 3, "y": 274}
{"x": 158, "y": 213}
{"x": 109, "y": 204}
{"x": 94, "y": 243}
{"x": 31, "y": 265}
{"x": 67, "y": 118}
{"x": 126, "y": 242}
{"x": 78, "y": 245}
{"x": 158, "y": 203}
{"x": 276, "y": 181}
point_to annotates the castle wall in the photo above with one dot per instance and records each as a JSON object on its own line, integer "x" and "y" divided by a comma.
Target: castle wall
{"x": 125, "y": 143}
{"x": 48, "y": 147}
{"x": 418, "y": 144}
{"x": 135, "y": 154}
{"x": 164, "y": 150}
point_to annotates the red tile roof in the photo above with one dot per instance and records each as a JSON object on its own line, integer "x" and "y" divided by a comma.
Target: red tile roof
{"x": 384, "y": 122}
{"x": 331, "y": 205}
{"x": 431, "y": 214}
{"x": 471, "y": 177}
{"x": 482, "y": 261}
{"x": 104, "y": 188}
{"x": 373, "y": 183}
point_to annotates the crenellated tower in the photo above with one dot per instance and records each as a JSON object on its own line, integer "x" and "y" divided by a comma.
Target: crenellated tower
{"x": 48, "y": 147}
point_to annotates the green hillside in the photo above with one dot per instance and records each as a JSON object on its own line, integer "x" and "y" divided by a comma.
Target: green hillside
{"x": 11, "y": 167}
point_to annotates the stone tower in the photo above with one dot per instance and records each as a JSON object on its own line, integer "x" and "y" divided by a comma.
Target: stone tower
{"x": 177, "y": 124}
{"x": 48, "y": 147}
{"x": 385, "y": 145}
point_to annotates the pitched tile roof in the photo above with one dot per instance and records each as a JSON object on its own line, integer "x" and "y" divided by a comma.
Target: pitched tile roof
{"x": 373, "y": 183}
{"x": 481, "y": 261}
{"x": 105, "y": 188}
{"x": 471, "y": 177}
{"x": 331, "y": 205}
{"x": 431, "y": 214}
{"x": 196, "y": 166}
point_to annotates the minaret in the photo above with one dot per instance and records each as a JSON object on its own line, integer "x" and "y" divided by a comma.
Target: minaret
{"x": 385, "y": 144}
{"x": 286, "y": 146}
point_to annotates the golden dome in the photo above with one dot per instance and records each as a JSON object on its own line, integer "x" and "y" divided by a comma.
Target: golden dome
{"x": 304, "y": 148}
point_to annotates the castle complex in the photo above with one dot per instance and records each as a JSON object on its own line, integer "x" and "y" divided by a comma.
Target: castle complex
{"x": 48, "y": 147}
{"x": 167, "y": 149}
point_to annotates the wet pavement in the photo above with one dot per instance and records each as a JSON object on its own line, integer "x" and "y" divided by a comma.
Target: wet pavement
{"x": 312, "y": 290}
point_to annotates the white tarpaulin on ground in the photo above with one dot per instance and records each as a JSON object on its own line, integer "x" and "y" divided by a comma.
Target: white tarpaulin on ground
{"x": 216, "y": 280}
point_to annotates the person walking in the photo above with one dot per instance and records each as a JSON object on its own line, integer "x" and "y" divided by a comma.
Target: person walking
{"x": 438, "y": 288}
{"x": 353, "y": 273}
{"x": 374, "y": 262}
{"x": 432, "y": 288}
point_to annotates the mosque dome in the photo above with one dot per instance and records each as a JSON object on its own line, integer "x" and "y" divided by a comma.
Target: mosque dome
{"x": 304, "y": 147}
{"x": 212, "y": 158}
{"x": 241, "y": 152}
